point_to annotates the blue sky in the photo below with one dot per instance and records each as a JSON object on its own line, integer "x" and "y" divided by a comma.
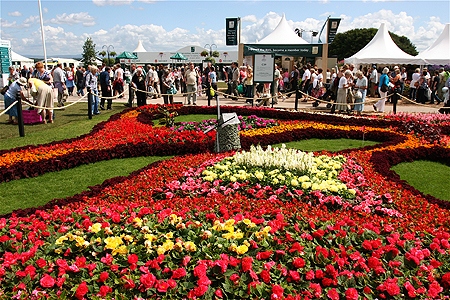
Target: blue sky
{"x": 170, "y": 25}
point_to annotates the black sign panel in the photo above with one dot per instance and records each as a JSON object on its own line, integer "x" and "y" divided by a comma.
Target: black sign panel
{"x": 333, "y": 24}
{"x": 232, "y": 31}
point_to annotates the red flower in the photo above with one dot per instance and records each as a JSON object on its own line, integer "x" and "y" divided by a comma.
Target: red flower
{"x": 162, "y": 286}
{"x": 218, "y": 293}
{"x": 351, "y": 294}
{"x": 103, "y": 276}
{"x": 104, "y": 290}
{"x": 265, "y": 276}
{"x": 294, "y": 275}
{"x": 133, "y": 258}
{"x": 446, "y": 280}
{"x": 277, "y": 292}
{"x": 234, "y": 277}
{"x": 47, "y": 281}
{"x": 247, "y": 263}
{"x": 41, "y": 263}
{"x": 263, "y": 255}
{"x": 82, "y": 290}
{"x": 178, "y": 273}
{"x": 298, "y": 262}
{"x": 333, "y": 294}
{"x": 434, "y": 289}
{"x": 148, "y": 280}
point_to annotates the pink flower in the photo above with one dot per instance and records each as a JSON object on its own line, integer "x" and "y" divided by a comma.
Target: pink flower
{"x": 333, "y": 294}
{"x": 47, "y": 281}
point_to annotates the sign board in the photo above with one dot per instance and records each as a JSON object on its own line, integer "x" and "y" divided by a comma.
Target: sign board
{"x": 304, "y": 50}
{"x": 333, "y": 24}
{"x": 264, "y": 68}
{"x": 232, "y": 31}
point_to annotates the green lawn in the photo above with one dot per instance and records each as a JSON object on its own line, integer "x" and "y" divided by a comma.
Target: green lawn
{"x": 330, "y": 145}
{"x": 427, "y": 176}
{"x": 37, "y": 191}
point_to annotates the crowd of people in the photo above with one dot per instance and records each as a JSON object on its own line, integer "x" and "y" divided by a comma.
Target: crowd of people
{"x": 347, "y": 87}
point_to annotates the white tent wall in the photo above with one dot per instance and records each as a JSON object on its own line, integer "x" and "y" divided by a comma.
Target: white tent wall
{"x": 382, "y": 50}
{"x": 439, "y": 52}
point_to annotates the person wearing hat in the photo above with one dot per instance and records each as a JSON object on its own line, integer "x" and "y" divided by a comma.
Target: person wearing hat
{"x": 11, "y": 96}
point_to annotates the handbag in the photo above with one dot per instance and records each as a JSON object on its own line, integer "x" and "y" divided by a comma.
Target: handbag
{"x": 384, "y": 88}
{"x": 4, "y": 90}
{"x": 172, "y": 90}
{"x": 357, "y": 95}
{"x": 212, "y": 92}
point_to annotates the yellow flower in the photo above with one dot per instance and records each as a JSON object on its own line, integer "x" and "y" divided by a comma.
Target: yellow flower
{"x": 137, "y": 222}
{"x": 241, "y": 249}
{"x": 232, "y": 247}
{"x": 230, "y": 222}
{"x": 58, "y": 251}
{"x": 150, "y": 237}
{"x": 113, "y": 242}
{"x": 61, "y": 240}
{"x": 95, "y": 227}
{"x": 121, "y": 250}
{"x": 169, "y": 235}
{"x": 306, "y": 185}
{"x": 178, "y": 246}
{"x": 128, "y": 238}
{"x": 294, "y": 182}
{"x": 80, "y": 242}
{"x": 190, "y": 246}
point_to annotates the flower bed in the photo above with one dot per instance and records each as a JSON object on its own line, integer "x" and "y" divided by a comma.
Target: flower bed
{"x": 205, "y": 225}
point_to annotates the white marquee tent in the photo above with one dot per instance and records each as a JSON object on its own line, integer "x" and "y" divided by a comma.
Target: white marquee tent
{"x": 382, "y": 50}
{"x": 21, "y": 60}
{"x": 283, "y": 34}
{"x": 140, "y": 47}
{"x": 439, "y": 52}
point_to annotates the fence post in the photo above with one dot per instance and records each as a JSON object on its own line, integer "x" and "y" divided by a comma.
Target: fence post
{"x": 296, "y": 98}
{"x": 19, "y": 114}
{"x": 90, "y": 101}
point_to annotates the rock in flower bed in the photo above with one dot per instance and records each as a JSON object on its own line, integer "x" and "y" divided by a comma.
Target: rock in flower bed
{"x": 169, "y": 231}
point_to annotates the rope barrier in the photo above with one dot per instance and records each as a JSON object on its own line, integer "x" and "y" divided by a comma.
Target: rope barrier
{"x": 9, "y": 107}
{"x": 113, "y": 97}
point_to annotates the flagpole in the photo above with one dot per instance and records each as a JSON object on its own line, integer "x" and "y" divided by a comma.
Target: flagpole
{"x": 42, "y": 34}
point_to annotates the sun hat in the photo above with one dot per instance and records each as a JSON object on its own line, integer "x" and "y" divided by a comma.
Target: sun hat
{"x": 22, "y": 81}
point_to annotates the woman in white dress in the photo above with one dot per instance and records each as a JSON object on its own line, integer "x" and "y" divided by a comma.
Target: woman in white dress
{"x": 344, "y": 84}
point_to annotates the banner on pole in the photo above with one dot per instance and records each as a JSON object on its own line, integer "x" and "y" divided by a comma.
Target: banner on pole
{"x": 333, "y": 24}
{"x": 232, "y": 31}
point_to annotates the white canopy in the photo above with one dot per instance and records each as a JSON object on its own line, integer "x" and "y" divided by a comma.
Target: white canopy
{"x": 140, "y": 48}
{"x": 20, "y": 59}
{"x": 382, "y": 50}
{"x": 439, "y": 52}
{"x": 283, "y": 34}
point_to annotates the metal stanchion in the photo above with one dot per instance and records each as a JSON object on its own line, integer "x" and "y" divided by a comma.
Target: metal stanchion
{"x": 90, "y": 101}
{"x": 296, "y": 98}
{"x": 19, "y": 115}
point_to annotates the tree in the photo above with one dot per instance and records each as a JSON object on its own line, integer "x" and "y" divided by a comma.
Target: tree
{"x": 89, "y": 53}
{"x": 350, "y": 42}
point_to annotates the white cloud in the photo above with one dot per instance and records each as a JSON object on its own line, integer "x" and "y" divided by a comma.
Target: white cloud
{"x": 15, "y": 14}
{"x": 30, "y": 21}
{"x": 6, "y": 24}
{"x": 158, "y": 38}
{"x": 74, "y": 18}
{"x": 111, "y": 2}
{"x": 249, "y": 19}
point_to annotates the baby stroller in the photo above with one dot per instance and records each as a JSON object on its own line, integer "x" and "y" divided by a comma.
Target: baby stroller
{"x": 328, "y": 96}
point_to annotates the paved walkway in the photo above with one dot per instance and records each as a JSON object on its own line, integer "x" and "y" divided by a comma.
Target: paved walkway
{"x": 289, "y": 103}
